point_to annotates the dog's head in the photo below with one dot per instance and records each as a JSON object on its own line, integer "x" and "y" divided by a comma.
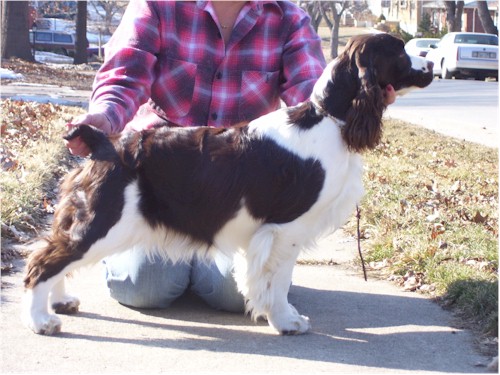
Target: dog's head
{"x": 352, "y": 86}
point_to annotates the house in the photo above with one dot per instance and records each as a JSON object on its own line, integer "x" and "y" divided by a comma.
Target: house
{"x": 471, "y": 21}
{"x": 410, "y": 13}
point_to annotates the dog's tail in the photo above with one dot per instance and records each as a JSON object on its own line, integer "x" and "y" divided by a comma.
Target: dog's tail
{"x": 97, "y": 141}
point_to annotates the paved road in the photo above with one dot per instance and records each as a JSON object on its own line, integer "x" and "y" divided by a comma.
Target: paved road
{"x": 462, "y": 109}
{"x": 45, "y": 94}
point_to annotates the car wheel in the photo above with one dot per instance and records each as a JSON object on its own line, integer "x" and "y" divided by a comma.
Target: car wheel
{"x": 61, "y": 51}
{"x": 445, "y": 73}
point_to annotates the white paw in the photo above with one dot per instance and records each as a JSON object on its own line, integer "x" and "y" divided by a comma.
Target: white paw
{"x": 67, "y": 305}
{"x": 45, "y": 324}
{"x": 290, "y": 322}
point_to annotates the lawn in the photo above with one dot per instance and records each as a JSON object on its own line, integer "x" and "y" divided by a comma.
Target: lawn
{"x": 430, "y": 218}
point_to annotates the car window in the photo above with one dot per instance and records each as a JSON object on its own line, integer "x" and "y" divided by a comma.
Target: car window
{"x": 41, "y": 36}
{"x": 425, "y": 43}
{"x": 62, "y": 38}
{"x": 476, "y": 39}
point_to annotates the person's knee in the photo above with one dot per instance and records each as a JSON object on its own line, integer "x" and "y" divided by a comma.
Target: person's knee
{"x": 134, "y": 280}
{"x": 216, "y": 287}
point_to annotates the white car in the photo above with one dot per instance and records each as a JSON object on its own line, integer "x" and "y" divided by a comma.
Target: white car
{"x": 420, "y": 46}
{"x": 465, "y": 54}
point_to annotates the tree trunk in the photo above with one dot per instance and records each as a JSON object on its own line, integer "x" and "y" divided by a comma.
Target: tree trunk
{"x": 485, "y": 17}
{"x": 81, "y": 33}
{"x": 334, "y": 23}
{"x": 454, "y": 10}
{"x": 15, "y": 30}
{"x": 314, "y": 12}
{"x": 323, "y": 5}
{"x": 334, "y": 42}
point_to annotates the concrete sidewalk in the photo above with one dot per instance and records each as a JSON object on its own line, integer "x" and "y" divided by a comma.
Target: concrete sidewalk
{"x": 358, "y": 327}
{"x": 45, "y": 94}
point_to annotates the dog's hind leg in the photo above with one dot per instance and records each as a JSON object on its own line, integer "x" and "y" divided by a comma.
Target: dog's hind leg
{"x": 45, "y": 288}
{"x": 75, "y": 244}
{"x": 35, "y": 314}
{"x": 270, "y": 263}
{"x": 45, "y": 281}
{"x": 36, "y": 309}
{"x": 62, "y": 302}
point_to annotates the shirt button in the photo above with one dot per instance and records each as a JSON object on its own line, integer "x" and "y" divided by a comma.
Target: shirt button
{"x": 214, "y": 116}
{"x": 218, "y": 75}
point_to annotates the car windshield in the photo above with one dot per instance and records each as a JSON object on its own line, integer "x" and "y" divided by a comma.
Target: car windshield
{"x": 491, "y": 40}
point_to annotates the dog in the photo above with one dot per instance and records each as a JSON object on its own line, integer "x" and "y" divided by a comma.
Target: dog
{"x": 265, "y": 190}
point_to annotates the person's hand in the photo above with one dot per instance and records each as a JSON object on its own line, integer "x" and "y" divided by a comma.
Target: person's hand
{"x": 389, "y": 95}
{"x": 76, "y": 146}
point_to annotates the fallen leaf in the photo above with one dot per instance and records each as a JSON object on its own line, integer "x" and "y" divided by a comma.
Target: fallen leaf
{"x": 479, "y": 219}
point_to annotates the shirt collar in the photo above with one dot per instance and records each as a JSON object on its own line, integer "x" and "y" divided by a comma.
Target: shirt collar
{"x": 256, "y": 5}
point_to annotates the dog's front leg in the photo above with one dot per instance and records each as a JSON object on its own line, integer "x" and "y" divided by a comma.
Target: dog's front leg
{"x": 270, "y": 265}
{"x": 282, "y": 316}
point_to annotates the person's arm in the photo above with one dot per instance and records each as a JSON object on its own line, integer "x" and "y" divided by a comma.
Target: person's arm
{"x": 303, "y": 61}
{"x": 124, "y": 81}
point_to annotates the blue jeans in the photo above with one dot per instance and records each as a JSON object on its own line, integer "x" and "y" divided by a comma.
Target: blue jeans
{"x": 134, "y": 280}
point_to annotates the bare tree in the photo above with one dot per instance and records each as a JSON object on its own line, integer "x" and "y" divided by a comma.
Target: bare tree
{"x": 107, "y": 9}
{"x": 454, "y": 10}
{"x": 312, "y": 7}
{"x": 485, "y": 17}
{"x": 15, "y": 30}
{"x": 81, "y": 42}
{"x": 335, "y": 9}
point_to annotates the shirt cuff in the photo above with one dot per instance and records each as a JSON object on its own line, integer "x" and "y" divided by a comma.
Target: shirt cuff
{"x": 115, "y": 117}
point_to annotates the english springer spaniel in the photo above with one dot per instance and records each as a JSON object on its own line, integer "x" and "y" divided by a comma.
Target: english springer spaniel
{"x": 264, "y": 190}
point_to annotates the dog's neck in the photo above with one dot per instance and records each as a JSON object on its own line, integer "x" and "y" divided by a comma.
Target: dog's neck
{"x": 333, "y": 92}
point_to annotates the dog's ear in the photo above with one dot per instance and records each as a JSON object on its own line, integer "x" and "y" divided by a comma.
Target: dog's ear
{"x": 363, "y": 128}
{"x": 96, "y": 140}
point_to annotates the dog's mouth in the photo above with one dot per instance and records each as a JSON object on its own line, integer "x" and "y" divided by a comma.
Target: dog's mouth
{"x": 415, "y": 79}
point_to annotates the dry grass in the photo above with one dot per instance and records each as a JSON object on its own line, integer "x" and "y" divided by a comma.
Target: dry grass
{"x": 33, "y": 157}
{"x": 430, "y": 218}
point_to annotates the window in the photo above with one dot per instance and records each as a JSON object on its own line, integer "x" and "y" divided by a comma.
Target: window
{"x": 476, "y": 39}
{"x": 63, "y": 38}
{"x": 42, "y": 36}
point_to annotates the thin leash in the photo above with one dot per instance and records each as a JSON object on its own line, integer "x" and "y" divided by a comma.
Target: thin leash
{"x": 358, "y": 217}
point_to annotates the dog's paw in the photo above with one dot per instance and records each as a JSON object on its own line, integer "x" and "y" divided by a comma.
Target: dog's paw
{"x": 290, "y": 323}
{"x": 298, "y": 326}
{"x": 69, "y": 305}
{"x": 44, "y": 324}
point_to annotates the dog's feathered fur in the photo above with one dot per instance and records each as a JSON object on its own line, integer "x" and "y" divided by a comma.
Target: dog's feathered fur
{"x": 265, "y": 190}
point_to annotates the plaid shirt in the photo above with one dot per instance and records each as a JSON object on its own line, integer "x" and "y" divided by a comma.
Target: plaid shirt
{"x": 173, "y": 54}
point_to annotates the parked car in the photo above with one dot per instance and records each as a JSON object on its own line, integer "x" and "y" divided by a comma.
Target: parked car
{"x": 464, "y": 54}
{"x": 420, "y": 46}
{"x": 58, "y": 42}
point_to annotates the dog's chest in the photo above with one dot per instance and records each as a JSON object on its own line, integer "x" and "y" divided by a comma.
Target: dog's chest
{"x": 341, "y": 186}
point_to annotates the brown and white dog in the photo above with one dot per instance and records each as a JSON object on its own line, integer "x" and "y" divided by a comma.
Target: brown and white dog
{"x": 265, "y": 191}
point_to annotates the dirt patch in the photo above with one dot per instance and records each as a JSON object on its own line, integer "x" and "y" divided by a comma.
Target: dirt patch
{"x": 79, "y": 77}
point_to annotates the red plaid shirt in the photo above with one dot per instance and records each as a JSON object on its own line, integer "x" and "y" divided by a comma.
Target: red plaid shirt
{"x": 173, "y": 54}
